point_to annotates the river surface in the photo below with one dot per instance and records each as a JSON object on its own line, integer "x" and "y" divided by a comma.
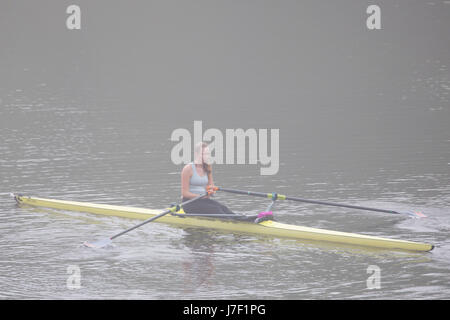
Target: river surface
{"x": 363, "y": 118}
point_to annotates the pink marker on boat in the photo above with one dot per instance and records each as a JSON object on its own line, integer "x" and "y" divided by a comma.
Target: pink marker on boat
{"x": 264, "y": 215}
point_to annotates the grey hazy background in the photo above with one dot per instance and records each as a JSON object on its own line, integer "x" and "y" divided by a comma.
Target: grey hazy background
{"x": 364, "y": 117}
{"x": 308, "y": 68}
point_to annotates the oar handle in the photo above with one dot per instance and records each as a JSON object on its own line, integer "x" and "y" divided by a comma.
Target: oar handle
{"x": 276, "y": 196}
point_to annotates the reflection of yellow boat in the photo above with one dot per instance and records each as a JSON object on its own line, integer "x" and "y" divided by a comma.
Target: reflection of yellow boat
{"x": 268, "y": 227}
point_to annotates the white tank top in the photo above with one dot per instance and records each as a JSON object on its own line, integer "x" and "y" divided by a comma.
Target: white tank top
{"x": 197, "y": 184}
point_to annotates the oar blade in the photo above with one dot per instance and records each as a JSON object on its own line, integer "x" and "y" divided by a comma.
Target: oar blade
{"x": 414, "y": 214}
{"x": 103, "y": 243}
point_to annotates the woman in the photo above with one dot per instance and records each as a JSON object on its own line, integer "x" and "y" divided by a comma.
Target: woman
{"x": 195, "y": 178}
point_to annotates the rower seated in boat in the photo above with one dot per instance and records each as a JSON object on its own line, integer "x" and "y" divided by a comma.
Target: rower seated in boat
{"x": 195, "y": 178}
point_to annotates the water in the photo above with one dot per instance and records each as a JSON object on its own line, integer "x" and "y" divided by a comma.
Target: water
{"x": 363, "y": 118}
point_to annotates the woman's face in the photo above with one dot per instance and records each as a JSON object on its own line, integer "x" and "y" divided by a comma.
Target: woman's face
{"x": 203, "y": 157}
{"x": 206, "y": 155}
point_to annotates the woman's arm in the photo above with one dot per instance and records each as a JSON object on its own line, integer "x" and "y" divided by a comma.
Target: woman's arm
{"x": 210, "y": 180}
{"x": 186, "y": 175}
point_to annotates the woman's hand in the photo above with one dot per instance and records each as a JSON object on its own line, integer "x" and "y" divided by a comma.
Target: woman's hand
{"x": 211, "y": 190}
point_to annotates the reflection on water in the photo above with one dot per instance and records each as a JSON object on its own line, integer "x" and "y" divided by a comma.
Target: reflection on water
{"x": 199, "y": 264}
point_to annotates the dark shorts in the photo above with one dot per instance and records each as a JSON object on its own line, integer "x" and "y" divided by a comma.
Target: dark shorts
{"x": 206, "y": 206}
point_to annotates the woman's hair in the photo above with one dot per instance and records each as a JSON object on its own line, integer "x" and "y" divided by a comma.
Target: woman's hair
{"x": 198, "y": 150}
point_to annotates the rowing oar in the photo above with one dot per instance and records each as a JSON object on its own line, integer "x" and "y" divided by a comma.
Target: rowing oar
{"x": 105, "y": 242}
{"x": 276, "y": 196}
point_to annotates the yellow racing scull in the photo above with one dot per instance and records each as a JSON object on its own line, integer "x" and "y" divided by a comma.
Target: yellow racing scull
{"x": 267, "y": 227}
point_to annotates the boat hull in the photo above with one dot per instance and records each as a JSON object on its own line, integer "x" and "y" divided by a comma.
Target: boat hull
{"x": 268, "y": 228}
